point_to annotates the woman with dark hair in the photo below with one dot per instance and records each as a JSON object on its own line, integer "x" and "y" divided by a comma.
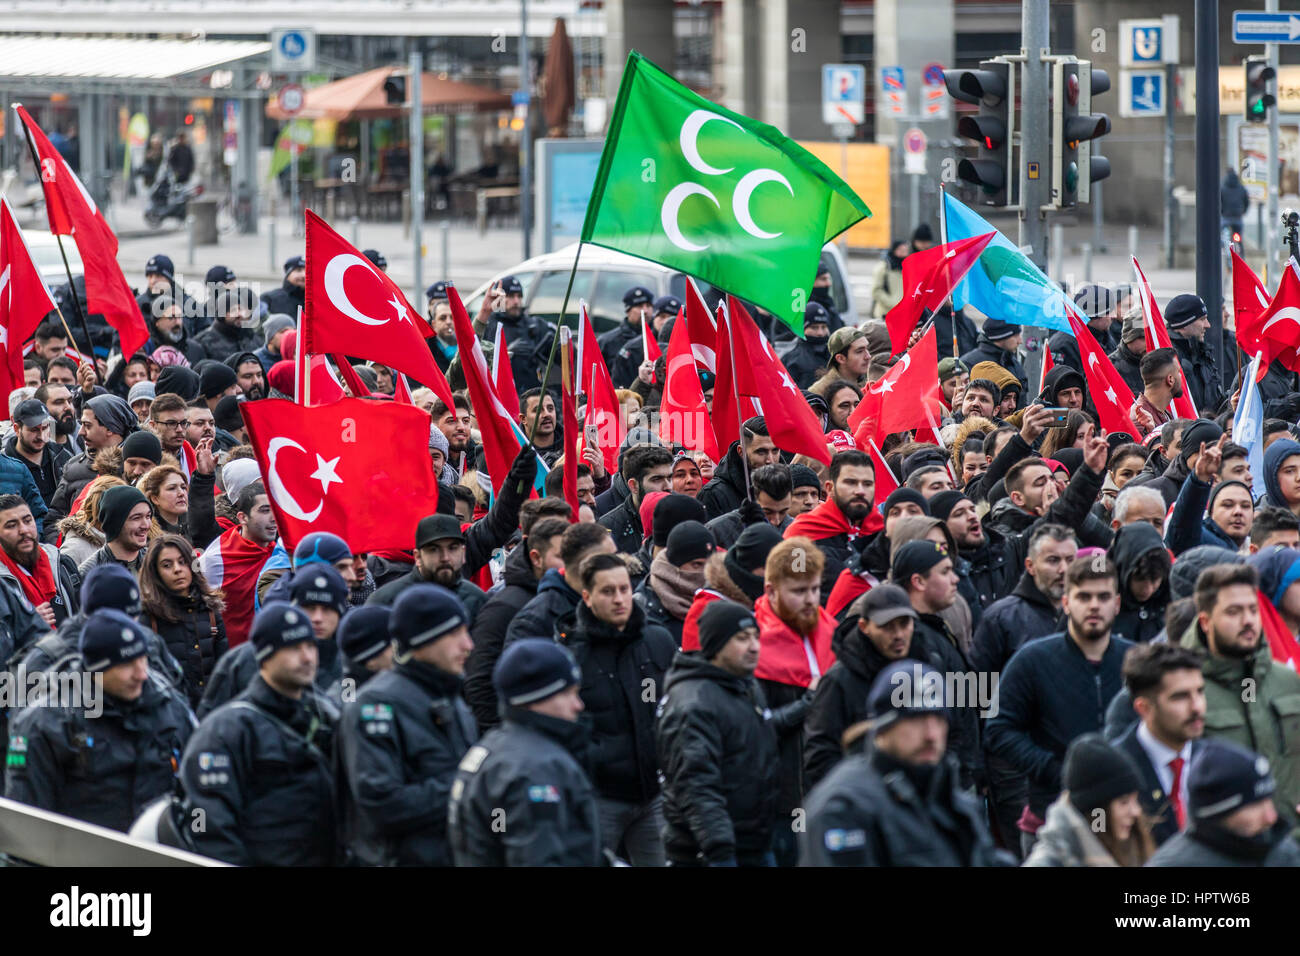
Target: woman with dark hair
{"x": 168, "y": 491}
{"x": 179, "y": 606}
{"x": 1079, "y": 427}
{"x": 842, "y": 397}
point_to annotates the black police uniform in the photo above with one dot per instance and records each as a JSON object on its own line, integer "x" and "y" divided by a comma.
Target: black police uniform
{"x": 621, "y": 347}
{"x": 522, "y": 797}
{"x": 260, "y": 769}
{"x": 104, "y": 769}
{"x": 399, "y": 745}
{"x": 528, "y": 340}
{"x": 237, "y": 668}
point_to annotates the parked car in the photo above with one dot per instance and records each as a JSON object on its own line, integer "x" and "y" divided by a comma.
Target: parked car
{"x": 604, "y": 275}
{"x": 45, "y": 253}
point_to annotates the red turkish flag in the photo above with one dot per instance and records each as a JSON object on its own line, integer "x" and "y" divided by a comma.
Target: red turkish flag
{"x": 313, "y": 370}
{"x": 683, "y": 414}
{"x": 1279, "y": 324}
{"x": 1157, "y": 337}
{"x": 930, "y": 275}
{"x": 603, "y": 412}
{"x": 72, "y": 212}
{"x": 356, "y": 467}
{"x": 355, "y": 309}
{"x": 702, "y": 327}
{"x": 1107, "y": 388}
{"x": 907, "y": 397}
{"x": 402, "y": 389}
{"x": 886, "y": 483}
{"x": 760, "y": 374}
{"x": 503, "y": 376}
{"x": 24, "y": 300}
{"x": 571, "y": 428}
{"x": 1249, "y": 300}
{"x": 650, "y": 345}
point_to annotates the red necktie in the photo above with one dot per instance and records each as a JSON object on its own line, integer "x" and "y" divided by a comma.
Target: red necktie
{"x": 1175, "y": 792}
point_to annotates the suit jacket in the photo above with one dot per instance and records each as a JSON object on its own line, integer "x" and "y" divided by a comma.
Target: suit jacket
{"x": 1155, "y": 802}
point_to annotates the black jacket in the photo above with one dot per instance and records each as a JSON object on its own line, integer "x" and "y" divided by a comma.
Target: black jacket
{"x": 195, "y": 637}
{"x": 617, "y": 669}
{"x": 726, "y": 490}
{"x": 1129, "y": 367}
{"x": 554, "y": 600}
{"x": 488, "y": 630}
{"x": 613, "y": 496}
{"x": 222, "y": 340}
{"x": 1168, "y": 483}
{"x": 656, "y": 613}
{"x": 932, "y": 638}
{"x": 986, "y": 351}
{"x": 1211, "y": 845}
{"x": 1073, "y": 509}
{"x": 991, "y": 569}
{"x": 259, "y": 768}
{"x": 237, "y": 669}
{"x": 103, "y": 769}
{"x": 470, "y": 594}
{"x": 875, "y": 811}
{"x": 623, "y": 353}
{"x": 806, "y": 361}
{"x": 624, "y": 524}
{"x": 286, "y": 300}
{"x": 528, "y": 340}
{"x": 1155, "y": 802}
{"x": 967, "y": 333}
{"x": 399, "y": 745}
{"x": 1204, "y": 378}
{"x": 48, "y": 472}
{"x": 77, "y": 473}
{"x": 718, "y": 754}
{"x": 1022, "y": 616}
{"x": 1279, "y": 390}
{"x": 1065, "y": 347}
{"x": 1050, "y": 694}
{"x": 1139, "y": 622}
{"x": 531, "y": 772}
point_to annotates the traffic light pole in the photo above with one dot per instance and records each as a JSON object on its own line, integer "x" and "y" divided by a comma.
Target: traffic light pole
{"x": 1209, "y": 231}
{"x": 1035, "y": 116}
{"x": 1273, "y": 186}
{"x": 416, "y": 93}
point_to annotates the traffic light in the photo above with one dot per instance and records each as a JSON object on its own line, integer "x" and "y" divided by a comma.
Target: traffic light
{"x": 395, "y": 89}
{"x": 1074, "y": 127}
{"x": 1258, "y": 99}
{"x": 992, "y": 86}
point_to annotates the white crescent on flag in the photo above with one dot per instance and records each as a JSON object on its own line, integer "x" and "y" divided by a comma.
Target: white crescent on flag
{"x": 277, "y": 489}
{"x": 334, "y": 273}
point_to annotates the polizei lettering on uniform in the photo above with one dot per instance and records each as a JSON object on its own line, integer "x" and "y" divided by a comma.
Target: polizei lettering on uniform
{"x": 77, "y": 909}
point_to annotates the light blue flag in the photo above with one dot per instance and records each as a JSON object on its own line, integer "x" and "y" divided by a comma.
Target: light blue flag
{"x": 1003, "y": 283}
{"x": 1247, "y": 424}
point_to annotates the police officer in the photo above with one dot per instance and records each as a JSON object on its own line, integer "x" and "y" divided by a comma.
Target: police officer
{"x": 522, "y": 797}
{"x": 666, "y": 308}
{"x": 322, "y": 594}
{"x": 367, "y": 650}
{"x": 400, "y": 741}
{"x": 1188, "y": 324}
{"x": 528, "y": 338}
{"x": 809, "y": 357}
{"x": 622, "y": 347}
{"x": 259, "y": 767}
{"x": 898, "y": 802}
{"x": 101, "y": 761}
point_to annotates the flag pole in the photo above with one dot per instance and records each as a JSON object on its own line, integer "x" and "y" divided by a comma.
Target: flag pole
{"x": 735, "y": 393}
{"x": 305, "y": 359}
{"x": 943, "y": 238}
{"x": 555, "y": 339}
{"x": 72, "y": 287}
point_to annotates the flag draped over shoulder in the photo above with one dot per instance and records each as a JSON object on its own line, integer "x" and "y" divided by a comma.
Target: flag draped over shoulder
{"x": 697, "y": 187}
{"x": 1003, "y": 283}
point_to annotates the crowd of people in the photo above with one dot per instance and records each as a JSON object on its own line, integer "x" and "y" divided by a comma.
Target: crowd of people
{"x": 1022, "y": 641}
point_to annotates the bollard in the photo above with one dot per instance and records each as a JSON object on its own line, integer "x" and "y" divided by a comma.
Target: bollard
{"x": 274, "y": 265}
{"x": 356, "y": 231}
{"x": 1057, "y": 251}
{"x": 189, "y": 234}
{"x": 1087, "y": 262}
{"x": 445, "y": 226}
{"x": 1133, "y": 242}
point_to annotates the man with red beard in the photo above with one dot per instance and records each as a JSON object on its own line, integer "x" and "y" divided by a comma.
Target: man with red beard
{"x": 795, "y": 650}
{"x": 844, "y": 517}
{"x": 34, "y": 568}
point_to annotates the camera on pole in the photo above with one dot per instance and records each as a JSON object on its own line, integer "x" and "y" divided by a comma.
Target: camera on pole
{"x": 1074, "y": 127}
{"x": 992, "y": 86}
{"x": 395, "y": 90}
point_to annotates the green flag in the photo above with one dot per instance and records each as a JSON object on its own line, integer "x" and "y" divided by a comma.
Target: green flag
{"x": 696, "y": 187}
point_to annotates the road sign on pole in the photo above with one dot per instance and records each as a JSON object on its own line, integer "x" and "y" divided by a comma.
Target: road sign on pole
{"x": 843, "y": 93}
{"x": 895, "y": 87}
{"x": 293, "y": 49}
{"x": 291, "y": 99}
{"x": 1145, "y": 43}
{"x": 934, "y": 92}
{"x": 1142, "y": 93}
{"x": 1249, "y": 26}
{"x": 914, "y": 143}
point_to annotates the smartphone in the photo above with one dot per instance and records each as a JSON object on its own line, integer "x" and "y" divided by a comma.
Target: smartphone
{"x": 1059, "y": 417}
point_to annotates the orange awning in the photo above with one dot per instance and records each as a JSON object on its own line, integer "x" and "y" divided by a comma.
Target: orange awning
{"x": 362, "y": 97}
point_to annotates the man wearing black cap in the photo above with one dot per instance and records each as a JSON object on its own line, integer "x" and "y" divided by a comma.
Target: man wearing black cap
{"x": 807, "y": 358}
{"x": 216, "y": 381}
{"x": 160, "y": 280}
{"x": 823, "y": 294}
{"x": 521, "y": 796}
{"x": 251, "y": 817}
{"x": 31, "y": 444}
{"x": 528, "y": 338}
{"x": 292, "y": 294}
{"x": 102, "y": 764}
{"x": 248, "y": 375}
{"x": 896, "y": 799}
{"x": 999, "y": 342}
{"x": 718, "y": 749}
{"x": 125, "y": 517}
{"x": 232, "y": 329}
{"x": 619, "y": 652}
{"x": 439, "y": 559}
{"x": 402, "y": 737}
{"x": 141, "y": 451}
{"x": 1232, "y": 820}
{"x": 621, "y": 346}
{"x": 1097, "y": 303}
{"x": 666, "y": 308}
{"x": 1188, "y": 322}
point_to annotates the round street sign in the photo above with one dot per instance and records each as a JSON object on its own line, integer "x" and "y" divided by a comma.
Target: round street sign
{"x": 934, "y": 74}
{"x": 291, "y": 99}
{"x": 914, "y": 141}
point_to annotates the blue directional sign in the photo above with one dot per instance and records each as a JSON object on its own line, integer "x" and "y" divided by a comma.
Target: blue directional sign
{"x": 1252, "y": 27}
{"x": 1142, "y": 93}
{"x": 1150, "y": 42}
{"x": 843, "y": 93}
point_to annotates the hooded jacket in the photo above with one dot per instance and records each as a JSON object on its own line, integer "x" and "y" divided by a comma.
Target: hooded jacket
{"x": 554, "y": 600}
{"x": 1189, "y": 525}
{"x": 1169, "y": 482}
{"x": 1059, "y": 377}
{"x": 612, "y": 497}
{"x": 1277, "y": 453}
{"x": 806, "y": 360}
{"x": 528, "y": 340}
{"x": 489, "y": 633}
{"x": 726, "y": 490}
{"x": 1139, "y": 622}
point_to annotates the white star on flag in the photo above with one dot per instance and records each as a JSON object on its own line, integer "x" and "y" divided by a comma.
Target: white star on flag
{"x": 885, "y": 386}
{"x": 1110, "y": 394}
{"x": 400, "y": 308}
{"x": 786, "y": 383}
{"x": 326, "y": 474}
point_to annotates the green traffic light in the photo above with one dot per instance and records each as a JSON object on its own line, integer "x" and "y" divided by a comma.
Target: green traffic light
{"x": 1072, "y": 177}
{"x": 1257, "y": 108}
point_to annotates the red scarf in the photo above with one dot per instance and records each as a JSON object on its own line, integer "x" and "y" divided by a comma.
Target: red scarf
{"x": 1281, "y": 642}
{"x": 827, "y": 521}
{"x": 782, "y": 655}
{"x": 39, "y": 586}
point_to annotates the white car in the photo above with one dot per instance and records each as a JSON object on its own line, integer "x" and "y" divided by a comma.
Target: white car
{"x": 45, "y": 253}
{"x": 604, "y": 275}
